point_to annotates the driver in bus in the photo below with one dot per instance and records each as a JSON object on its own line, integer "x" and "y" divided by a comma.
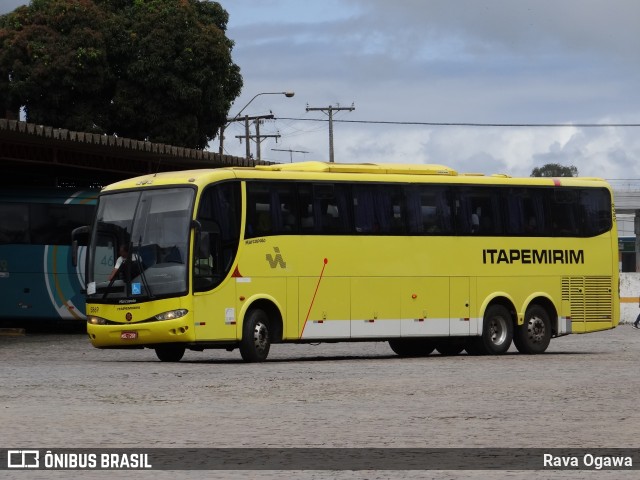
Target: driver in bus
{"x": 124, "y": 254}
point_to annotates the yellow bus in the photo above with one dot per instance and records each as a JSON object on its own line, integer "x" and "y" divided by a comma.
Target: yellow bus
{"x": 416, "y": 255}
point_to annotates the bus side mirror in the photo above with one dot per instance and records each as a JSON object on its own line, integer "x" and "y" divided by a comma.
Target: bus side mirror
{"x": 79, "y": 236}
{"x": 74, "y": 253}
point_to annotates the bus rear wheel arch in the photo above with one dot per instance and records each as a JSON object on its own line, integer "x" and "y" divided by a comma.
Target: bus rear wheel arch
{"x": 534, "y": 335}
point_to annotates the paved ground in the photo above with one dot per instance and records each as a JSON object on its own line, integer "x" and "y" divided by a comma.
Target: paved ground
{"x": 57, "y": 391}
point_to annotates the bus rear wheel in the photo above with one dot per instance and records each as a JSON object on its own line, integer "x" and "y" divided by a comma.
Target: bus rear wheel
{"x": 256, "y": 338}
{"x": 411, "y": 347}
{"x": 170, "y": 353}
{"x": 534, "y": 335}
{"x": 497, "y": 333}
{"x": 497, "y": 330}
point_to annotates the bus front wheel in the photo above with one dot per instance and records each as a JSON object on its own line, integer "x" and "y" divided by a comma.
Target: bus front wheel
{"x": 534, "y": 335}
{"x": 256, "y": 338}
{"x": 170, "y": 353}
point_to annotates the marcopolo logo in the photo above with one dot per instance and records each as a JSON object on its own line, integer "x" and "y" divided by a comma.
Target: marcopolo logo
{"x": 277, "y": 260}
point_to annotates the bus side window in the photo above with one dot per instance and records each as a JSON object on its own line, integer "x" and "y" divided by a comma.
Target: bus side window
{"x": 481, "y": 209}
{"x": 428, "y": 210}
{"x": 563, "y": 212}
{"x": 263, "y": 225}
{"x": 219, "y": 219}
{"x": 14, "y": 223}
{"x": 462, "y": 214}
{"x": 363, "y": 208}
{"x": 204, "y": 263}
{"x": 333, "y": 202}
{"x": 258, "y": 210}
{"x": 378, "y": 209}
{"x": 305, "y": 205}
{"x": 284, "y": 208}
{"x": 595, "y": 210}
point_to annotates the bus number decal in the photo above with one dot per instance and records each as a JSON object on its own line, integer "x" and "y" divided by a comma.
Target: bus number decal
{"x": 107, "y": 260}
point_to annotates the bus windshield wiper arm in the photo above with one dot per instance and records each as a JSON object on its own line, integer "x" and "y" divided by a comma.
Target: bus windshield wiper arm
{"x": 106, "y": 291}
{"x": 143, "y": 276}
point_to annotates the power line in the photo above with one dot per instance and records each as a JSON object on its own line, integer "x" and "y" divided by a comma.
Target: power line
{"x": 469, "y": 124}
{"x": 291, "y": 152}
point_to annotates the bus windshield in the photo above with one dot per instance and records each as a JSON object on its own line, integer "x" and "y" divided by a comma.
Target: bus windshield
{"x": 139, "y": 244}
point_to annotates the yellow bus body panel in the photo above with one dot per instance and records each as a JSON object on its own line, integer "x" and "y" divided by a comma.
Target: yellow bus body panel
{"x": 367, "y": 287}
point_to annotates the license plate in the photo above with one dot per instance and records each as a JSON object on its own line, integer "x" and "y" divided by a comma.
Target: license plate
{"x": 128, "y": 335}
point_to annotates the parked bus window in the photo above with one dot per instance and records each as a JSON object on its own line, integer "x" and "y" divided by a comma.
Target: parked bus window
{"x": 14, "y": 223}
{"x": 39, "y": 277}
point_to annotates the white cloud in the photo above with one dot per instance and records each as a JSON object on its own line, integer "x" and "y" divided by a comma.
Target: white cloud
{"x": 478, "y": 61}
{"x": 489, "y": 61}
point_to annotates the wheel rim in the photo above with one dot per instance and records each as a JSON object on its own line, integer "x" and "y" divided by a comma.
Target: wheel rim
{"x": 261, "y": 337}
{"x": 536, "y": 329}
{"x": 498, "y": 330}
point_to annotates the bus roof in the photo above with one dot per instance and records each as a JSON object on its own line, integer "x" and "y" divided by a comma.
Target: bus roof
{"x": 398, "y": 168}
{"x": 315, "y": 171}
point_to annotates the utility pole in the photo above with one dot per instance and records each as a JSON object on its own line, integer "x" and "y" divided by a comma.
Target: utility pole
{"x": 257, "y": 137}
{"x": 291, "y": 152}
{"x": 329, "y": 111}
{"x": 237, "y": 117}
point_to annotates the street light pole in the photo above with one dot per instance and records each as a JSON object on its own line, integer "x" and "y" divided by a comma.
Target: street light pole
{"x": 237, "y": 117}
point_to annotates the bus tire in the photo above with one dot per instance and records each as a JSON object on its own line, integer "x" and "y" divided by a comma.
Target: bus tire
{"x": 534, "y": 335}
{"x": 411, "y": 347}
{"x": 450, "y": 346}
{"x": 256, "y": 337}
{"x": 170, "y": 353}
{"x": 497, "y": 330}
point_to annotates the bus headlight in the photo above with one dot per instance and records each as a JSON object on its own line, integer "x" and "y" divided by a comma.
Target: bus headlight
{"x": 93, "y": 320}
{"x": 172, "y": 314}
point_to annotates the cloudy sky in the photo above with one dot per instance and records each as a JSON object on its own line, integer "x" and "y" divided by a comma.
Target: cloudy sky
{"x": 406, "y": 65}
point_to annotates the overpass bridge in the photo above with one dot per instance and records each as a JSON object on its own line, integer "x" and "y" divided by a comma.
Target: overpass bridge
{"x": 37, "y": 155}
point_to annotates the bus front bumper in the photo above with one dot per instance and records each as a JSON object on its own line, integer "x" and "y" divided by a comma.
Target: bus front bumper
{"x": 141, "y": 334}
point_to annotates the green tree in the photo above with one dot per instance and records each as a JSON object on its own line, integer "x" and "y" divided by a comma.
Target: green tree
{"x": 155, "y": 69}
{"x": 554, "y": 170}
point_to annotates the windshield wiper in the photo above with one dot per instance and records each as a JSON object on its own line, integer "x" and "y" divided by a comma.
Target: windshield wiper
{"x": 143, "y": 276}
{"x": 106, "y": 291}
